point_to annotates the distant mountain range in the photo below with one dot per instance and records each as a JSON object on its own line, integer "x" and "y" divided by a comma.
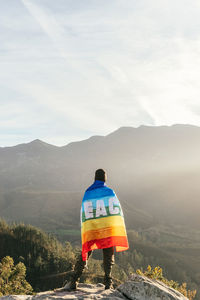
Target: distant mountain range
{"x": 154, "y": 170}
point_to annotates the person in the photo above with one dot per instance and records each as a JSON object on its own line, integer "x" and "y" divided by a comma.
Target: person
{"x": 102, "y": 227}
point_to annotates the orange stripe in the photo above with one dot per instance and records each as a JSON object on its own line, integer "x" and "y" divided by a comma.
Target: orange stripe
{"x": 120, "y": 248}
{"x": 103, "y": 233}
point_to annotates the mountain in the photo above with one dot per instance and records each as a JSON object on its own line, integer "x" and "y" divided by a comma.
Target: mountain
{"x": 154, "y": 170}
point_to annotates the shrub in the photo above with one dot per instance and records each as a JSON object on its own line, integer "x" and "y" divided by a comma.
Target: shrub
{"x": 157, "y": 274}
{"x": 12, "y": 278}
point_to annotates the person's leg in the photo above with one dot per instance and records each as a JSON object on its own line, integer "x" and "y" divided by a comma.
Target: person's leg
{"x": 78, "y": 270}
{"x": 108, "y": 262}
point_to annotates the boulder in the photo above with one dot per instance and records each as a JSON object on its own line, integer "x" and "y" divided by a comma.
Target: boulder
{"x": 143, "y": 288}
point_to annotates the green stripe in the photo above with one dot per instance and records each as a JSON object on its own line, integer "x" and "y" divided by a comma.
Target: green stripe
{"x": 94, "y": 213}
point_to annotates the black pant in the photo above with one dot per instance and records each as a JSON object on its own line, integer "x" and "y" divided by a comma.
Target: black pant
{"x": 108, "y": 261}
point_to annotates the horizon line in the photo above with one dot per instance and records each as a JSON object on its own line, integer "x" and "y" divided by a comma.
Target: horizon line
{"x": 122, "y": 127}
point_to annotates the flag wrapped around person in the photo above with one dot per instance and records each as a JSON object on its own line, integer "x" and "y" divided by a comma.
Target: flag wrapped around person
{"x": 102, "y": 220}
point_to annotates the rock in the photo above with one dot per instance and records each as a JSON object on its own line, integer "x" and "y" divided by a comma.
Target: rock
{"x": 136, "y": 288}
{"x": 84, "y": 291}
{"x": 143, "y": 288}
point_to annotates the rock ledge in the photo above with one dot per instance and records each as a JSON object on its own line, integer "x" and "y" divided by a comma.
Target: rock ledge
{"x": 136, "y": 288}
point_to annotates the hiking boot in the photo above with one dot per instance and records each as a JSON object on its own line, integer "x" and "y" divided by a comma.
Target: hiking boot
{"x": 108, "y": 286}
{"x": 108, "y": 282}
{"x": 68, "y": 287}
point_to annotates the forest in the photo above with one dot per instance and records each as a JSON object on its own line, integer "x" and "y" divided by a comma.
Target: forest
{"x": 50, "y": 262}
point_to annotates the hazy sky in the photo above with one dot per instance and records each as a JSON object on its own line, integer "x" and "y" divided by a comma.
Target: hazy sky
{"x": 70, "y": 69}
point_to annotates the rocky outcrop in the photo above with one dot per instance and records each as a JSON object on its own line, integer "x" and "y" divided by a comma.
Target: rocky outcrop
{"x": 143, "y": 288}
{"x": 136, "y": 288}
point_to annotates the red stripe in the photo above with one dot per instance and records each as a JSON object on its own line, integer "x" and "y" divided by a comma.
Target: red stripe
{"x": 104, "y": 243}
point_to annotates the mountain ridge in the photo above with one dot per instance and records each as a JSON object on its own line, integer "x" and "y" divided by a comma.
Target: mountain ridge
{"x": 122, "y": 128}
{"x": 150, "y": 168}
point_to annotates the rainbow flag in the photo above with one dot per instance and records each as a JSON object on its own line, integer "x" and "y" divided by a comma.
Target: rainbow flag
{"x": 102, "y": 220}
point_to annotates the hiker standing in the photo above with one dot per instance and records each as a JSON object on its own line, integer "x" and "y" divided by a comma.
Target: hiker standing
{"x": 102, "y": 227}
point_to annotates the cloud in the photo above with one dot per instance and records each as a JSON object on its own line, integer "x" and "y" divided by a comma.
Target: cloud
{"x": 47, "y": 22}
{"x": 71, "y": 69}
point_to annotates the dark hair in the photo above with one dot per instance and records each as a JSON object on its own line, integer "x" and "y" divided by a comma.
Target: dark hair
{"x": 100, "y": 174}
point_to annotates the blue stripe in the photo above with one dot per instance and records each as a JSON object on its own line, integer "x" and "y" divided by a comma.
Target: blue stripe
{"x": 98, "y": 193}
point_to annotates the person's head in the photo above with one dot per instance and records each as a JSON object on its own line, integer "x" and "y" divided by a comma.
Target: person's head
{"x": 100, "y": 174}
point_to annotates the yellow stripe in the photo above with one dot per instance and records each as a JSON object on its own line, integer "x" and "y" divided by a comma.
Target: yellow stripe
{"x": 103, "y": 233}
{"x": 102, "y": 223}
{"x": 120, "y": 248}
